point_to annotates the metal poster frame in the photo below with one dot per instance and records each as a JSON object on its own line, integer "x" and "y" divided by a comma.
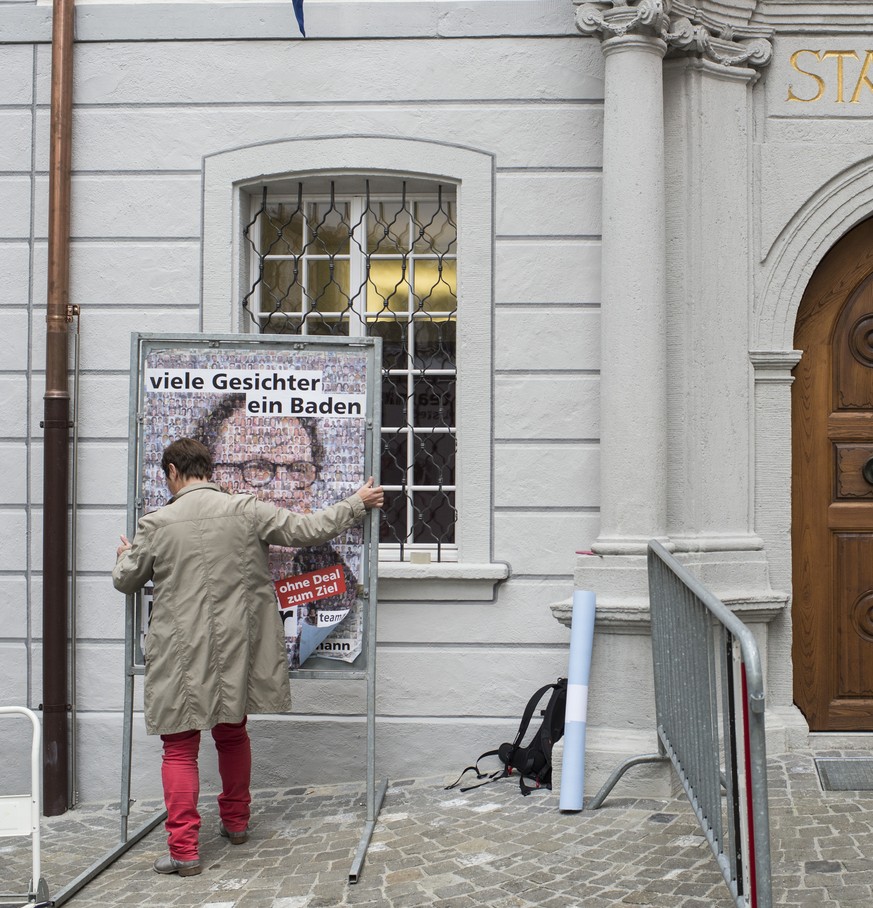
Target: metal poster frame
{"x": 363, "y": 666}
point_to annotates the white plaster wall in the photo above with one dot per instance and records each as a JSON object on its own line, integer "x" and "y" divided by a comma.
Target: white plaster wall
{"x": 452, "y": 676}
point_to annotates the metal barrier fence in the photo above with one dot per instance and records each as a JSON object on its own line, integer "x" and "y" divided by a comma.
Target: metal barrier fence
{"x": 709, "y": 697}
{"x": 20, "y": 814}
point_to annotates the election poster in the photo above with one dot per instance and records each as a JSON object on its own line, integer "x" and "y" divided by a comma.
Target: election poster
{"x": 287, "y": 423}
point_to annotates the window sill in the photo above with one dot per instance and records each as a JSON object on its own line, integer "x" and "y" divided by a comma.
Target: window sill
{"x": 446, "y": 581}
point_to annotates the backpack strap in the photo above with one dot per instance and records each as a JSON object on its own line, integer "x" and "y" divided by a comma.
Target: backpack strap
{"x": 493, "y": 777}
{"x": 528, "y": 713}
{"x": 558, "y": 701}
{"x": 527, "y": 789}
{"x": 489, "y": 777}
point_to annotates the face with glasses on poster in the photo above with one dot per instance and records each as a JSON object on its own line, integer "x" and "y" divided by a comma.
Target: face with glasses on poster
{"x": 276, "y": 459}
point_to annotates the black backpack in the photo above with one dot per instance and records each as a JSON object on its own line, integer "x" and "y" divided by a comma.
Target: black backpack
{"x": 534, "y": 760}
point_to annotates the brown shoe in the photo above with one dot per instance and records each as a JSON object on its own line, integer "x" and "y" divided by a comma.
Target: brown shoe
{"x": 168, "y": 864}
{"x": 236, "y": 838}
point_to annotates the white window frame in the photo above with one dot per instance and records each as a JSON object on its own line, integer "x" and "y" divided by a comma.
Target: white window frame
{"x": 229, "y": 179}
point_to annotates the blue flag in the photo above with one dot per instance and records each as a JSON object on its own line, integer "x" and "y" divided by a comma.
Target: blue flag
{"x": 298, "y": 11}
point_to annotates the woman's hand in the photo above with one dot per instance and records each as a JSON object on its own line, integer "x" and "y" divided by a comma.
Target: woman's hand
{"x": 124, "y": 547}
{"x": 372, "y": 496}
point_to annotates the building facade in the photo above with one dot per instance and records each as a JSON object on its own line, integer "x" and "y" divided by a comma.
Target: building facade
{"x": 620, "y": 249}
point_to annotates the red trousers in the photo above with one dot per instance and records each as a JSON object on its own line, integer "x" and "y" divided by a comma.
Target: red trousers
{"x": 181, "y": 779}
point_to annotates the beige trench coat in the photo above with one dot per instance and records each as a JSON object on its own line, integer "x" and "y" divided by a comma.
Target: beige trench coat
{"x": 215, "y": 650}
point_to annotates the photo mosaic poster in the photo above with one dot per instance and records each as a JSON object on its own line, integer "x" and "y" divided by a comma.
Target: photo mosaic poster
{"x": 290, "y": 426}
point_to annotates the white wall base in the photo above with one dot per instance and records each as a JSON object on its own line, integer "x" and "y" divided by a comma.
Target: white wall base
{"x": 293, "y": 751}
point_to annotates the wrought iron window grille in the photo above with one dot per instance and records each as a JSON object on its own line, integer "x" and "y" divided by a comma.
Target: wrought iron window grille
{"x": 329, "y": 262}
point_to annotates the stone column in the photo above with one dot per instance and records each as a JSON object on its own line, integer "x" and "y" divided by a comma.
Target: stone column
{"x": 668, "y": 311}
{"x": 652, "y": 442}
{"x": 633, "y": 380}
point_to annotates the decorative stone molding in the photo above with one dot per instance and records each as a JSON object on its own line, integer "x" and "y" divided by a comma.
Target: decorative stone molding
{"x": 694, "y": 31}
{"x": 684, "y": 28}
{"x": 774, "y": 365}
{"x": 800, "y": 244}
{"x": 632, "y": 616}
{"x": 815, "y": 17}
{"x": 623, "y": 17}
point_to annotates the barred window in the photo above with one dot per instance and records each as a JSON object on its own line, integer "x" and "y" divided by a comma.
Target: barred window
{"x": 376, "y": 257}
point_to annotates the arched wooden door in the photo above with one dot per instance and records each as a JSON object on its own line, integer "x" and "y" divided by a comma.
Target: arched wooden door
{"x": 832, "y": 490}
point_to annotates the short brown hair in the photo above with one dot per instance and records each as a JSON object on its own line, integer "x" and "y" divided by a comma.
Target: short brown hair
{"x": 190, "y": 457}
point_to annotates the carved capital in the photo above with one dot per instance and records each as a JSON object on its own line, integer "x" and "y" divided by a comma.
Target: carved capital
{"x": 693, "y": 31}
{"x": 618, "y": 18}
{"x": 683, "y": 27}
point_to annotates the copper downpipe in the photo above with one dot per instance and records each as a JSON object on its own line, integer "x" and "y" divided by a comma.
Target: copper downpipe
{"x": 56, "y": 464}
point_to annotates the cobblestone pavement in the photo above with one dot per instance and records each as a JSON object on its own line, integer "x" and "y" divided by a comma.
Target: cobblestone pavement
{"x": 487, "y": 847}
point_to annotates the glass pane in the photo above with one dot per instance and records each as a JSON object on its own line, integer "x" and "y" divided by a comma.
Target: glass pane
{"x": 329, "y": 228}
{"x": 393, "y": 334}
{"x": 276, "y": 324}
{"x": 281, "y": 230}
{"x": 434, "y": 517}
{"x": 434, "y": 460}
{"x": 392, "y": 526}
{"x": 328, "y": 327}
{"x": 327, "y": 285}
{"x": 394, "y": 459}
{"x": 435, "y": 229}
{"x": 436, "y": 285}
{"x": 434, "y": 344}
{"x": 435, "y": 402}
{"x": 280, "y": 289}
{"x": 394, "y": 401}
{"x": 387, "y": 228}
{"x": 388, "y": 286}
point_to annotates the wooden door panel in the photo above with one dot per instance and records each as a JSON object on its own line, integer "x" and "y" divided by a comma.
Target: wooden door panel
{"x": 852, "y": 477}
{"x": 832, "y": 495}
{"x": 849, "y": 515}
{"x": 848, "y": 715}
{"x": 811, "y": 582}
{"x": 846, "y": 425}
{"x": 853, "y": 352}
{"x": 854, "y": 615}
